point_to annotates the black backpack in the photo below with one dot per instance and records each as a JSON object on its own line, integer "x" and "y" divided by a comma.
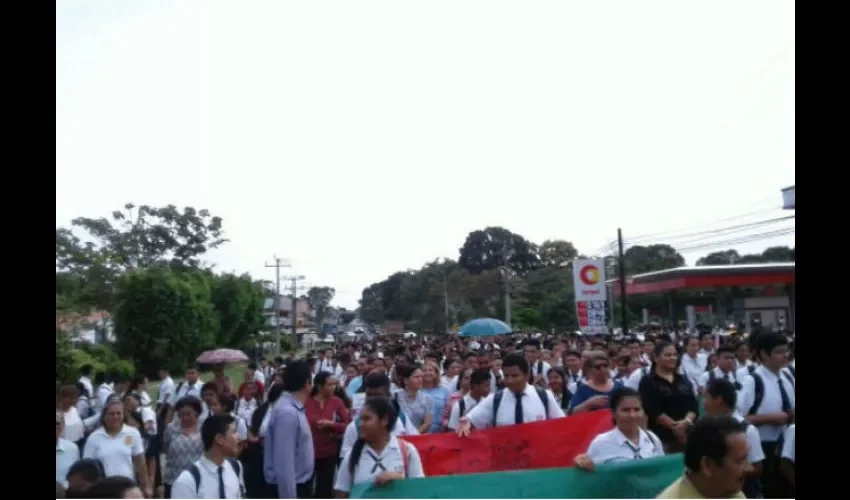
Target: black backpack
{"x": 237, "y": 468}
{"x": 497, "y": 401}
{"x": 758, "y": 387}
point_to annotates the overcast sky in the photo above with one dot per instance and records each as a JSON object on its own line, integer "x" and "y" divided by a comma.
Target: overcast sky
{"x": 361, "y": 138}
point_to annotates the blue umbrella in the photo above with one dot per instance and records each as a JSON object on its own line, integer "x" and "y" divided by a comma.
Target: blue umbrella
{"x": 484, "y": 327}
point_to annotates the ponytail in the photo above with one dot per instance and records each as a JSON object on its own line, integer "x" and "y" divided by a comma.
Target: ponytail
{"x": 354, "y": 456}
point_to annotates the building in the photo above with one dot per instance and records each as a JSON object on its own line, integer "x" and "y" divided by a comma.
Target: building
{"x": 788, "y": 198}
{"x": 279, "y": 309}
{"x": 96, "y": 327}
{"x": 719, "y": 295}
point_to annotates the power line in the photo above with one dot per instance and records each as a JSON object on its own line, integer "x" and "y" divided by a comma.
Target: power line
{"x": 672, "y": 233}
{"x": 739, "y": 240}
{"x": 702, "y": 235}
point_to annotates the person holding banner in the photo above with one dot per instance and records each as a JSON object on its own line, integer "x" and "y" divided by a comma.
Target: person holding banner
{"x": 519, "y": 402}
{"x": 627, "y": 441}
{"x": 377, "y": 455}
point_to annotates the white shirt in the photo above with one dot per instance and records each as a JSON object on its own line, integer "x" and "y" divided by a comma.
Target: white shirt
{"x": 693, "y": 367}
{"x": 103, "y": 393}
{"x": 245, "y": 409}
{"x": 532, "y": 409}
{"x": 390, "y": 460}
{"x": 741, "y": 366}
{"x": 185, "y": 487}
{"x": 789, "y": 445}
{"x": 469, "y": 403}
{"x": 636, "y": 376}
{"x": 771, "y": 403}
{"x": 148, "y": 417}
{"x": 613, "y": 446}
{"x": 185, "y": 389}
{"x": 116, "y": 453}
{"x": 87, "y": 384}
{"x": 756, "y": 453}
{"x": 325, "y": 365}
{"x": 74, "y": 428}
{"x": 166, "y": 389}
{"x": 352, "y": 433}
{"x": 731, "y": 377}
{"x": 66, "y": 454}
{"x": 540, "y": 368}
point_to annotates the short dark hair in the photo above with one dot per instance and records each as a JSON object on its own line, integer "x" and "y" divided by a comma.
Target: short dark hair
{"x": 110, "y": 487}
{"x": 377, "y": 380}
{"x": 707, "y": 439}
{"x": 90, "y": 469}
{"x": 479, "y": 377}
{"x": 190, "y": 401}
{"x": 252, "y": 365}
{"x": 517, "y": 360}
{"x": 86, "y": 370}
{"x": 296, "y": 376}
{"x": 767, "y": 342}
{"x": 213, "y": 426}
{"x": 726, "y": 349}
{"x": 531, "y": 343}
{"x": 723, "y": 389}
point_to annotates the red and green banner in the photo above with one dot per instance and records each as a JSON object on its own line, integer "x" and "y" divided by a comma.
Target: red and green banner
{"x": 538, "y": 445}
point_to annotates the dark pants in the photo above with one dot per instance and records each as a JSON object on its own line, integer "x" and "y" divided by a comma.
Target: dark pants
{"x": 303, "y": 490}
{"x": 166, "y": 491}
{"x": 773, "y": 483}
{"x": 323, "y": 470}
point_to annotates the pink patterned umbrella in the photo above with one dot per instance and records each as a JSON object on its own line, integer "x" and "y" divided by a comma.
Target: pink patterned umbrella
{"x": 222, "y": 356}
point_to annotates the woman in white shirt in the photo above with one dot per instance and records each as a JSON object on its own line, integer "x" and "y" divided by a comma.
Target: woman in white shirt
{"x": 628, "y": 440}
{"x": 74, "y": 430}
{"x": 248, "y": 403}
{"x": 377, "y": 455}
{"x": 119, "y": 447}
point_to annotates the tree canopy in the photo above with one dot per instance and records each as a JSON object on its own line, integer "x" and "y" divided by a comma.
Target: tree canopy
{"x": 540, "y": 278}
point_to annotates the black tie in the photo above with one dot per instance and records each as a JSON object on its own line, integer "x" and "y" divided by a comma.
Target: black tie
{"x": 786, "y": 401}
{"x": 635, "y": 450}
{"x": 221, "y": 482}
{"x": 518, "y": 409}
{"x": 377, "y": 461}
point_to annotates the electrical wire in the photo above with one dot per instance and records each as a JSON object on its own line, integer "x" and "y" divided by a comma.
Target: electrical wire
{"x": 702, "y": 235}
{"x": 739, "y": 240}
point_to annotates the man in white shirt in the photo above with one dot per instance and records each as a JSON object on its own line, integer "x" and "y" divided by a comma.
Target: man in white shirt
{"x": 520, "y": 402}
{"x": 725, "y": 368}
{"x": 479, "y": 388}
{"x": 257, "y": 375}
{"x": 325, "y": 361}
{"x": 767, "y": 400}
{"x": 190, "y": 387}
{"x": 85, "y": 379}
{"x": 166, "y": 388}
{"x": 538, "y": 369}
{"x": 217, "y": 474}
{"x": 693, "y": 364}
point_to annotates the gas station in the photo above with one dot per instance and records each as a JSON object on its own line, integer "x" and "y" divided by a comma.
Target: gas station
{"x": 718, "y": 295}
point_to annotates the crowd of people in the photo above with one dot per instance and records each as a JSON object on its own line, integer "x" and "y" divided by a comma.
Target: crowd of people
{"x": 315, "y": 427}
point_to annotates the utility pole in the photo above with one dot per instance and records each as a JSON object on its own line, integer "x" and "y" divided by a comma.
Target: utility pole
{"x": 446, "y": 301}
{"x": 622, "y": 269}
{"x": 295, "y": 289}
{"x": 278, "y": 263}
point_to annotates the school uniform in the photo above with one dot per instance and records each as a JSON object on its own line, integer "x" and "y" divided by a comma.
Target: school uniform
{"x": 66, "y": 454}
{"x": 468, "y": 404}
{"x": 715, "y": 373}
{"x": 633, "y": 381}
{"x": 74, "y": 430}
{"x": 185, "y": 389}
{"x": 403, "y": 427}
{"x": 574, "y": 380}
{"x": 613, "y": 446}
{"x": 693, "y": 367}
{"x": 528, "y": 408}
{"x": 116, "y": 453}
{"x": 371, "y": 464}
{"x": 779, "y": 395}
{"x": 216, "y": 481}
{"x": 539, "y": 368}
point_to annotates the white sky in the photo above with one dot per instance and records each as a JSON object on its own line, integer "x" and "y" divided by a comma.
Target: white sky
{"x": 361, "y": 138}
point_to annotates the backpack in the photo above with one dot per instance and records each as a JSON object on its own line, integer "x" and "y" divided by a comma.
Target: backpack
{"x": 738, "y": 386}
{"x": 497, "y": 400}
{"x": 237, "y": 468}
{"x": 758, "y": 387}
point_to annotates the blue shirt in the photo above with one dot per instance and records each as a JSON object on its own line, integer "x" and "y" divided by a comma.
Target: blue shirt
{"x": 585, "y": 392}
{"x": 440, "y": 395}
{"x": 66, "y": 454}
{"x": 288, "y": 446}
{"x": 354, "y": 385}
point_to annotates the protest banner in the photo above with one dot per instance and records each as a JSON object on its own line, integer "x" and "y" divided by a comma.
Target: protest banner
{"x": 537, "y": 445}
{"x": 633, "y": 479}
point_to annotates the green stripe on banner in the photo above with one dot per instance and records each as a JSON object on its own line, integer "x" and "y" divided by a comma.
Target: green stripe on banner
{"x": 633, "y": 479}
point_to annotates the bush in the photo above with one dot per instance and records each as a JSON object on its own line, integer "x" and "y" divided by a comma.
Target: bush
{"x": 101, "y": 358}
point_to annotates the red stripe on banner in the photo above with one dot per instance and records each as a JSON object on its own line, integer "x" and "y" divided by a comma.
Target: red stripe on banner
{"x": 538, "y": 445}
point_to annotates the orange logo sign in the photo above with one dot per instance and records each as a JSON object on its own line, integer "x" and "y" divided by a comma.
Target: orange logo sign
{"x": 589, "y": 275}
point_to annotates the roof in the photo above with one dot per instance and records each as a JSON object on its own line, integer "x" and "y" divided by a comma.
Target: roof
{"x": 775, "y": 273}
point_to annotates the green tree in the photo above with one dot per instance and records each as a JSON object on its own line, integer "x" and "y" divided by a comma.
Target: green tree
{"x": 319, "y": 298}
{"x": 133, "y": 238}
{"x": 646, "y": 259}
{"x": 238, "y": 302}
{"x": 164, "y": 317}
{"x": 557, "y": 253}
{"x": 487, "y": 249}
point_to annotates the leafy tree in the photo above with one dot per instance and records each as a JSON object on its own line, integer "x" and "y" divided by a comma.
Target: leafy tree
{"x": 646, "y": 259}
{"x": 164, "y": 317}
{"x": 238, "y": 302}
{"x": 134, "y": 238}
{"x": 557, "y": 253}
{"x": 319, "y": 298}
{"x": 730, "y": 257}
{"x": 492, "y": 247}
